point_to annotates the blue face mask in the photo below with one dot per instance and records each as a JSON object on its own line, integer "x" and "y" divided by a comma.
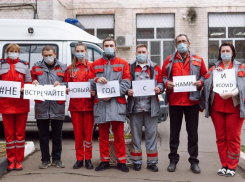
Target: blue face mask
{"x": 226, "y": 56}
{"x": 109, "y": 51}
{"x": 80, "y": 55}
{"x": 182, "y": 48}
{"x": 141, "y": 58}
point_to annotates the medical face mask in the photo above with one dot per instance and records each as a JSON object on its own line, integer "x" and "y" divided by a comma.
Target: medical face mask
{"x": 182, "y": 48}
{"x": 13, "y": 55}
{"x": 109, "y": 51}
{"x": 225, "y": 56}
{"x": 80, "y": 55}
{"x": 141, "y": 58}
{"x": 49, "y": 60}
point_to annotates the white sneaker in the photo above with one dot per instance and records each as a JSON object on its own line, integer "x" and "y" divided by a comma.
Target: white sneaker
{"x": 222, "y": 171}
{"x": 230, "y": 173}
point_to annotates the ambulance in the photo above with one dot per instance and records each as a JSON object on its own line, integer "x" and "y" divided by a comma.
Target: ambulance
{"x": 33, "y": 35}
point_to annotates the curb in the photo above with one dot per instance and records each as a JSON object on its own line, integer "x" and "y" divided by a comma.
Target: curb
{"x": 29, "y": 148}
{"x": 241, "y": 163}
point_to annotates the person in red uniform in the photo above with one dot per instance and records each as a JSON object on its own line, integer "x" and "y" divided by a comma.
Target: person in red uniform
{"x": 81, "y": 108}
{"x": 182, "y": 63}
{"x": 110, "y": 111}
{"x": 227, "y": 110}
{"x": 14, "y": 110}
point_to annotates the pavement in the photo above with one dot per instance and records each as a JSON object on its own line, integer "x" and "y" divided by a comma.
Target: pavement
{"x": 208, "y": 156}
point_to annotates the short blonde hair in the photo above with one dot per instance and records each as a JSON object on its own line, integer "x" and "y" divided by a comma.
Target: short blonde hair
{"x": 11, "y": 47}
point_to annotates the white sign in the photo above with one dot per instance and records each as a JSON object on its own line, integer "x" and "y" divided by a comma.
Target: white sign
{"x": 110, "y": 89}
{"x": 224, "y": 81}
{"x": 10, "y": 89}
{"x": 46, "y": 92}
{"x": 79, "y": 89}
{"x": 33, "y": 92}
{"x": 184, "y": 83}
{"x": 54, "y": 93}
{"x": 143, "y": 87}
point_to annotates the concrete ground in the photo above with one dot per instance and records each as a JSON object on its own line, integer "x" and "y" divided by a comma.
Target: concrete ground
{"x": 208, "y": 156}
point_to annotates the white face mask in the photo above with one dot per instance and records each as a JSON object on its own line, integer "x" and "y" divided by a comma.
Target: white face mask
{"x": 48, "y": 60}
{"x": 13, "y": 55}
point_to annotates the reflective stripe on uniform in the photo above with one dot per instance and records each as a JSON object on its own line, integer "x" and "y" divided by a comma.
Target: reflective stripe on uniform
{"x": 177, "y": 61}
{"x": 233, "y": 154}
{"x": 121, "y": 158}
{"x": 20, "y": 141}
{"x": 8, "y": 143}
{"x": 20, "y": 146}
{"x": 233, "y": 157}
{"x": 152, "y": 155}
{"x": 104, "y": 157}
{"x": 10, "y": 147}
{"x": 88, "y": 142}
{"x": 98, "y": 67}
{"x": 196, "y": 59}
{"x": 117, "y": 65}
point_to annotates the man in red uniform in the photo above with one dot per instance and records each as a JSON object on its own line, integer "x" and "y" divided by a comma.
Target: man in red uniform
{"x": 14, "y": 110}
{"x": 110, "y": 111}
{"x": 182, "y": 63}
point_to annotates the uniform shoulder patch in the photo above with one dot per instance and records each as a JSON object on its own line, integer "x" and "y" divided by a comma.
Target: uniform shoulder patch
{"x": 242, "y": 66}
{"x": 24, "y": 62}
{"x": 3, "y": 60}
{"x": 208, "y": 74}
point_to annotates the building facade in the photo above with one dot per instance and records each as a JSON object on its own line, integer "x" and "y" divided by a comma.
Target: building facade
{"x": 208, "y": 23}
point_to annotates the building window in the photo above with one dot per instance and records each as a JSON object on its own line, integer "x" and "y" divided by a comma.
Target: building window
{"x": 226, "y": 27}
{"x": 101, "y": 26}
{"x": 157, "y": 32}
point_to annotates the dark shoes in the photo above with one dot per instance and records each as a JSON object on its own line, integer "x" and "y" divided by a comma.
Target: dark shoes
{"x": 171, "y": 167}
{"x": 88, "y": 164}
{"x": 153, "y": 168}
{"x": 78, "y": 165}
{"x": 137, "y": 167}
{"x": 195, "y": 168}
{"x": 58, "y": 163}
{"x": 102, "y": 166}
{"x": 45, "y": 165}
{"x": 122, "y": 167}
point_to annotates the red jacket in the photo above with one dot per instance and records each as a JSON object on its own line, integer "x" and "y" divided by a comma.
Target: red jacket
{"x": 18, "y": 71}
{"x": 80, "y": 74}
{"x": 179, "y": 69}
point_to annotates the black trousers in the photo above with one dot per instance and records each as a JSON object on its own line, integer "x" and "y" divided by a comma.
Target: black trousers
{"x": 191, "y": 117}
{"x": 43, "y": 127}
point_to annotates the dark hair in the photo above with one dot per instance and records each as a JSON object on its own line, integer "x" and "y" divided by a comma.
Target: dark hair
{"x": 180, "y": 35}
{"x": 109, "y": 39}
{"x": 48, "y": 48}
{"x": 232, "y": 48}
{"x": 73, "y": 64}
{"x": 141, "y": 45}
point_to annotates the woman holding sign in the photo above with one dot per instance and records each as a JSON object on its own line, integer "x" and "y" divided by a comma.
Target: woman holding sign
{"x": 14, "y": 110}
{"x": 81, "y": 108}
{"x": 226, "y": 109}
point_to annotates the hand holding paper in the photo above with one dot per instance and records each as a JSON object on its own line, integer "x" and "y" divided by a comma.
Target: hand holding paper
{"x": 184, "y": 83}
{"x": 143, "y": 87}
